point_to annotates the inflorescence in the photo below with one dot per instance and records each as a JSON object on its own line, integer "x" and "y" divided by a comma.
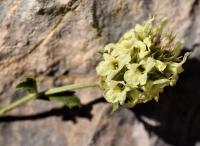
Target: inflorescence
{"x": 138, "y": 67}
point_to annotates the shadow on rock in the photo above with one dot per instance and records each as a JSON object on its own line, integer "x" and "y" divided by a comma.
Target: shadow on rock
{"x": 65, "y": 113}
{"x": 178, "y": 110}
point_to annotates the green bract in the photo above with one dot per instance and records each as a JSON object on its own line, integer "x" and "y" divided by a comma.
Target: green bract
{"x": 138, "y": 67}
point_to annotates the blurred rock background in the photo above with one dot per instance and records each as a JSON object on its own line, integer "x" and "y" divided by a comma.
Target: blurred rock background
{"x": 57, "y": 42}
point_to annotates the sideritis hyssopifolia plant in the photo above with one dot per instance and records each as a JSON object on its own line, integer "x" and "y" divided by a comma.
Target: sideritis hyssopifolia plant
{"x": 133, "y": 70}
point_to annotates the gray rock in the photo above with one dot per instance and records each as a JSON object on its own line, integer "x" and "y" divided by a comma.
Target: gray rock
{"x": 57, "y": 41}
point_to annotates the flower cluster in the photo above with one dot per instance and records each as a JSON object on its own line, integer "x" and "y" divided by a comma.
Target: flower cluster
{"x": 138, "y": 67}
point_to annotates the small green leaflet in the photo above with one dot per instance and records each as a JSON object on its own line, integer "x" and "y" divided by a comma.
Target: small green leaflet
{"x": 28, "y": 84}
{"x": 68, "y": 100}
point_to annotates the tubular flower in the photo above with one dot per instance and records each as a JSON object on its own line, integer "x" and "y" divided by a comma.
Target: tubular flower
{"x": 138, "y": 67}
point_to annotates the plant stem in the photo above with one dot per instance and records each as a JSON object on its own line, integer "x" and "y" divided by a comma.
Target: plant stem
{"x": 17, "y": 103}
{"x": 34, "y": 96}
{"x": 69, "y": 88}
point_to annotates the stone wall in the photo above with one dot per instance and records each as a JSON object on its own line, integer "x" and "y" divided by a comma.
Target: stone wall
{"x": 57, "y": 42}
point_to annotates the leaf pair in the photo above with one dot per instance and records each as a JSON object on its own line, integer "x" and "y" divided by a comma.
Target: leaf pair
{"x": 69, "y": 100}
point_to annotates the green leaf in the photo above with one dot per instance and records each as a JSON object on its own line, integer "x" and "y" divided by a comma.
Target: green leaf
{"x": 68, "y": 100}
{"x": 28, "y": 84}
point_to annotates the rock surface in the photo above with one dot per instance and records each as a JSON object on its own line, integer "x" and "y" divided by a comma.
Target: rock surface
{"x": 57, "y": 41}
